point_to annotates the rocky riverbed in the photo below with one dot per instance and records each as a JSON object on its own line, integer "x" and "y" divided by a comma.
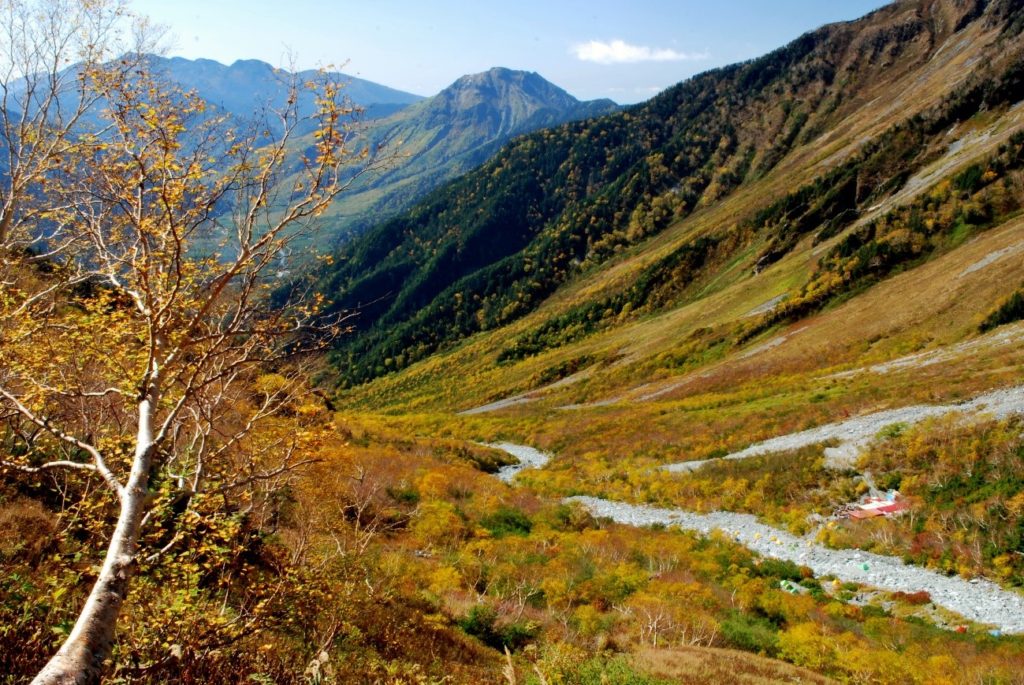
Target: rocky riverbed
{"x": 854, "y": 434}
{"x": 977, "y": 599}
{"x": 528, "y": 458}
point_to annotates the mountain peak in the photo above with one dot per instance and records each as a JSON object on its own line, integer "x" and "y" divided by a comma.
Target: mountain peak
{"x": 506, "y": 102}
{"x": 249, "y": 64}
{"x": 457, "y": 130}
{"x": 502, "y": 82}
{"x": 496, "y": 74}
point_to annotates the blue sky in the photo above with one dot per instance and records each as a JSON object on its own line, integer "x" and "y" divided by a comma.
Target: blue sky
{"x": 625, "y": 50}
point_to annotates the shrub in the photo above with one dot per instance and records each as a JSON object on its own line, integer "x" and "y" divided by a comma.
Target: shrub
{"x": 507, "y": 521}
{"x": 479, "y": 623}
{"x": 915, "y": 598}
{"x": 26, "y": 529}
{"x": 599, "y": 670}
{"x": 1008, "y": 311}
{"x": 779, "y": 568}
{"x": 806, "y": 646}
{"x": 482, "y": 623}
{"x": 751, "y": 633}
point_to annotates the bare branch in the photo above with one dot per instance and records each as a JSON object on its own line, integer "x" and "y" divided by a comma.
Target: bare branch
{"x": 48, "y": 466}
{"x": 44, "y": 423}
{"x": 264, "y": 476}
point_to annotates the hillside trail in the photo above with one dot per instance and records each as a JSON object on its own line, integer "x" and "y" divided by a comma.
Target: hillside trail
{"x": 526, "y": 397}
{"x": 1001, "y": 338}
{"x": 976, "y": 599}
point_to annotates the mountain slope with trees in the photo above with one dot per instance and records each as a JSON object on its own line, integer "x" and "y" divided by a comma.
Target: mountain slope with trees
{"x": 492, "y": 246}
{"x": 829, "y": 235}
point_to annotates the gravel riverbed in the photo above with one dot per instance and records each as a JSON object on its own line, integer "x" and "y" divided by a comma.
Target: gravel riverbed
{"x": 976, "y": 599}
{"x": 854, "y": 434}
{"x": 528, "y": 458}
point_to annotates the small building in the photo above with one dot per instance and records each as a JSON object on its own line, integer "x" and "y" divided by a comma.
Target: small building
{"x": 891, "y": 505}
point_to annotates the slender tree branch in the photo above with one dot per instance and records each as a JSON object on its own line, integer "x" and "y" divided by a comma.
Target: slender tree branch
{"x": 48, "y": 466}
{"x": 44, "y": 423}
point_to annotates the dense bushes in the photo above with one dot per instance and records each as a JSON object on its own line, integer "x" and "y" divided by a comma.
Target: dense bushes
{"x": 482, "y": 623}
{"x": 751, "y": 633}
{"x": 507, "y": 521}
{"x": 1009, "y": 310}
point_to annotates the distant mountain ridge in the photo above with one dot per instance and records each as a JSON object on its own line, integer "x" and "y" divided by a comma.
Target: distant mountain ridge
{"x": 444, "y": 136}
{"x": 244, "y": 85}
{"x": 433, "y": 139}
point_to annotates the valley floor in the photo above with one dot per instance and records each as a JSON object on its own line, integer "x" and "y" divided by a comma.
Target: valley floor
{"x": 977, "y": 599}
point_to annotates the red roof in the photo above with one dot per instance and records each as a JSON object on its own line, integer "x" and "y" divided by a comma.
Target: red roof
{"x": 894, "y": 507}
{"x": 879, "y": 507}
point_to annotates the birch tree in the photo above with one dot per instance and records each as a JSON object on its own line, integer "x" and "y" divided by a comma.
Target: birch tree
{"x": 128, "y": 332}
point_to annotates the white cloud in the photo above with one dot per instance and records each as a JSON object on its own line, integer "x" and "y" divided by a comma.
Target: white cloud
{"x": 621, "y": 52}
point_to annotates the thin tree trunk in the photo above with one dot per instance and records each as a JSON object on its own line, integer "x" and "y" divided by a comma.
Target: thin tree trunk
{"x": 6, "y": 215}
{"x": 82, "y": 658}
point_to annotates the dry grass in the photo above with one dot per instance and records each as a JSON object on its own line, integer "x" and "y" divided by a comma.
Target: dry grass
{"x": 26, "y": 528}
{"x": 701, "y": 665}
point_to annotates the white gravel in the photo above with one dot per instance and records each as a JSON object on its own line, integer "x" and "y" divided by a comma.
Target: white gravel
{"x": 978, "y": 600}
{"x": 992, "y": 258}
{"x": 854, "y": 434}
{"x": 528, "y": 458}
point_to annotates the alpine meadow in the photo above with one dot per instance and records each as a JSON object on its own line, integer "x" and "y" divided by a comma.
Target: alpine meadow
{"x": 306, "y": 379}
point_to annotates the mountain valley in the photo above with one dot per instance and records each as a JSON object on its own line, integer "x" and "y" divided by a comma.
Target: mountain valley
{"x": 723, "y": 386}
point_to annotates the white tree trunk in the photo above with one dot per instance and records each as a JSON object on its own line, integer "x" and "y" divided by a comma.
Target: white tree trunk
{"x": 80, "y": 660}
